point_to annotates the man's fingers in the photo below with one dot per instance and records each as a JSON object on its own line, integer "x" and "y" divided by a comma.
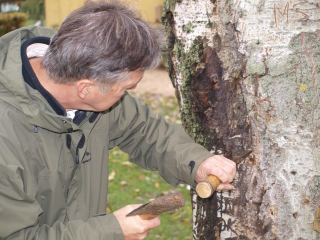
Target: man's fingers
{"x": 146, "y": 226}
{"x": 223, "y": 186}
{"x": 227, "y": 165}
{"x": 226, "y": 175}
{"x": 221, "y": 174}
{"x": 219, "y": 166}
{"x": 224, "y": 168}
{"x": 134, "y": 228}
{"x": 152, "y": 223}
{"x": 224, "y": 159}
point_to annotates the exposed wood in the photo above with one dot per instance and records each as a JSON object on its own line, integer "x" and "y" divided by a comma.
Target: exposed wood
{"x": 206, "y": 188}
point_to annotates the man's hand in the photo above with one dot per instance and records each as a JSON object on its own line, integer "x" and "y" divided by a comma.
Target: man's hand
{"x": 134, "y": 228}
{"x": 219, "y": 166}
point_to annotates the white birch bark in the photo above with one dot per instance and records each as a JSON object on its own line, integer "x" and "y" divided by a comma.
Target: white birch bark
{"x": 273, "y": 46}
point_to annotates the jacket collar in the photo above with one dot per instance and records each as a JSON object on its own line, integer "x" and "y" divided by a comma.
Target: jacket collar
{"x": 19, "y": 94}
{"x": 31, "y": 79}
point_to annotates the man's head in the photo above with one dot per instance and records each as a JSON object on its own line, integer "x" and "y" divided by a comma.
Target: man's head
{"x": 104, "y": 41}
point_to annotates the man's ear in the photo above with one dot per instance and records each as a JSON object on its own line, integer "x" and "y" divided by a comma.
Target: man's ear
{"x": 84, "y": 87}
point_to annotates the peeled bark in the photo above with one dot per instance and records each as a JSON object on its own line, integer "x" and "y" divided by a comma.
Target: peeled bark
{"x": 247, "y": 76}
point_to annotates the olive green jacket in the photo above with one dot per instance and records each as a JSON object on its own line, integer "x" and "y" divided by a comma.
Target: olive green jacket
{"x": 44, "y": 192}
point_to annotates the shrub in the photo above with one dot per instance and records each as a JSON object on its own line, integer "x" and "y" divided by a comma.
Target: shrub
{"x": 11, "y": 21}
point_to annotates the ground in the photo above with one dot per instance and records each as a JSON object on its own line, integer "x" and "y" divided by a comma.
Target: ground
{"x": 156, "y": 81}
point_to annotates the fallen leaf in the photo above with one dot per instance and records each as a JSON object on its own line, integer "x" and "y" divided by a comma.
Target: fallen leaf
{"x": 177, "y": 217}
{"x": 112, "y": 175}
{"x": 137, "y": 190}
{"x": 122, "y": 153}
{"x": 157, "y": 185}
{"x": 186, "y": 223}
{"x": 108, "y": 210}
{"x": 126, "y": 163}
{"x": 139, "y": 198}
{"x": 164, "y": 192}
{"x": 123, "y": 183}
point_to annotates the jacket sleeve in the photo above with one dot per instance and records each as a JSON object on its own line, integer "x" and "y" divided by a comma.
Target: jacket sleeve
{"x": 19, "y": 216}
{"x": 154, "y": 144}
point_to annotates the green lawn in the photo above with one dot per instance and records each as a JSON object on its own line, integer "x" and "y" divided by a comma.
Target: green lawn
{"x": 129, "y": 184}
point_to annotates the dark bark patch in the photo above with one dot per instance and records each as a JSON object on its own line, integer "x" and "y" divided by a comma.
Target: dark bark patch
{"x": 169, "y": 23}
{"x": 170, "y": 19}
{"x": 242, "y": 237}
{"x": 219, "y": 106}
{"x": 251, "y": 161}
{"x": 255, "y": 182}
{"x": 206, "y": 217}
{"x": 221, "y": 109}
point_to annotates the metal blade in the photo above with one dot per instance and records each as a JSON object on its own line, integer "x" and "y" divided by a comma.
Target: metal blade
{"x": 241, "y": 156}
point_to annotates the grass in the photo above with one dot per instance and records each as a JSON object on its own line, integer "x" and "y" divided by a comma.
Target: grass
{"x": 130, "y": 184}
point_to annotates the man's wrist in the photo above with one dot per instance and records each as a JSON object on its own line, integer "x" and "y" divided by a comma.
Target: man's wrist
{"x": 196, "y": 168}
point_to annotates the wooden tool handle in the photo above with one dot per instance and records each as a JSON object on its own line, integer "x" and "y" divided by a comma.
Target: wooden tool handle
{"x": 148, "y": 216}
{"x": 207, "y": 187}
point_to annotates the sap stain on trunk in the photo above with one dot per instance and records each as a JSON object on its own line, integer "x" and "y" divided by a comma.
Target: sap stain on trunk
{"x": 220, "y": 106}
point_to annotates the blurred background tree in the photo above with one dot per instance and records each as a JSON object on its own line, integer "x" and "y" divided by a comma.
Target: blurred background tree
{"x": 35, "y": 11}
{"x": 11, "y": 21}
{"x": 10, "y": 18}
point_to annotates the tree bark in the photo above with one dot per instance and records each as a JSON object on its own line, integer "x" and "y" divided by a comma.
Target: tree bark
{"x": 247, "y": 76}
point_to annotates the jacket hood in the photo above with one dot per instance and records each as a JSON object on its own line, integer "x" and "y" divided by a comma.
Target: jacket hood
{"x": 16, "y": 92}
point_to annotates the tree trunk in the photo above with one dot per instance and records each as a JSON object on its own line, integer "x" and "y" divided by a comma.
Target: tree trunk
{"x": 247, "y": 76}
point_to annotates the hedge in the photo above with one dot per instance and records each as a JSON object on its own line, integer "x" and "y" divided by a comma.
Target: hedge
{"x": 12, "y": 21}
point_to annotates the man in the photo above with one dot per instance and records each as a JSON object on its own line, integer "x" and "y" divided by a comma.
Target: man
{"x": 63, "y": 105}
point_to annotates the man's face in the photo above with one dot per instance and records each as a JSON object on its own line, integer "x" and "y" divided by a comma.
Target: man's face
{"x": 99, "y": 101}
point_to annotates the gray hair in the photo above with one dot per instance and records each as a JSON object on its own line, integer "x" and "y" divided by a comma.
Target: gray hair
{"x": 103, "y": 41}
